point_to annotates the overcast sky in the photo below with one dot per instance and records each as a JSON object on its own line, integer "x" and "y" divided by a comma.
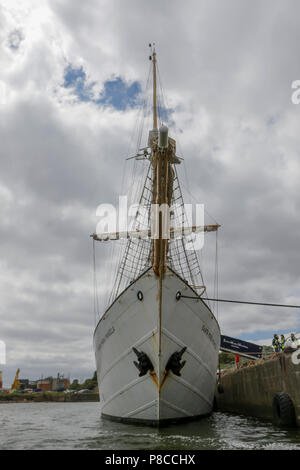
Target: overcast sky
{"x": 72, "y": 75}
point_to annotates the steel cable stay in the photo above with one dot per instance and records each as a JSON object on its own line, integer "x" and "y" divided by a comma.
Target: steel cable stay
{"x": 179, "y": 296}
{"x": 96, "y": 296}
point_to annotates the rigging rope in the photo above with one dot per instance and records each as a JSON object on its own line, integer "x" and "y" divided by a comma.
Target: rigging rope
{"x": 242, "y": 302}
{"x": 216, "y": 278}
{"x": 133, "y": 256}
{"x": 96, "y": 299}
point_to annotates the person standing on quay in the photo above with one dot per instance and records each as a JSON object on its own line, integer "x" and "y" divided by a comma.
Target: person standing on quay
{"x": 282, "y": 342}
{"x": 237, "y": 361}
{"x": 294, "y": 339}
{"x": 275, "y": 343}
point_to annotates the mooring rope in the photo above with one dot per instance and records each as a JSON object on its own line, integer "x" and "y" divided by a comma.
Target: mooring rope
{"x": 242, "y": 302}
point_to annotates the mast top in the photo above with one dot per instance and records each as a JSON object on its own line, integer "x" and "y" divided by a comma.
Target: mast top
{"x": 152, "y": 47}
{"x": 153, "y": 58}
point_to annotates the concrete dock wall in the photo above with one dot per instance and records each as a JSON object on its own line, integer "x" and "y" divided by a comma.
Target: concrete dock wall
{"x": 251, "y": 390}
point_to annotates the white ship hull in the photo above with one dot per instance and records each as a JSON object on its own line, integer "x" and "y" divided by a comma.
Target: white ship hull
{"x": 157, "y": 397}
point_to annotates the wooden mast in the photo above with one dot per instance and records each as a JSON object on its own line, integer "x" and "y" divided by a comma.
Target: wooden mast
{"x": 155, "y": 242}
{"x": 160, "y": 196}
{"x": 154, "y": 90}
{"x": 160, "y": 185}
{"x": 157, "y": 248}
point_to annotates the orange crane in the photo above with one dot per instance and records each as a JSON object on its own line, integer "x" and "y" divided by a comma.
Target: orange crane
{"x": 16, "y": 383}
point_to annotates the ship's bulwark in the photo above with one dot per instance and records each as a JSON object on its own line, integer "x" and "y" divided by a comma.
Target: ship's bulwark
{"x": 132, "y": 321}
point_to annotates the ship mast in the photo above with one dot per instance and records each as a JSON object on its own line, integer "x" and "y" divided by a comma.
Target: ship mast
{"x": 154, "y": 90}
{"x": 160, "y": 184}
{"x": 159, "y": 192}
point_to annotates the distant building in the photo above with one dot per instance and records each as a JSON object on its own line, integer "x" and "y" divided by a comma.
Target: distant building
{"x": 27, "y": 384}
{"x": 50, "y": 384}
{"x": 62, "y": 383}
{"x": 32, "y": 384}
{"x": 45, "y": 384}
{"x": 24, "y": 383}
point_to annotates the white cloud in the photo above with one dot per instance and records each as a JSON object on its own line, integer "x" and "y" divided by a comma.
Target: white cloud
{"x": 227, "y": 69}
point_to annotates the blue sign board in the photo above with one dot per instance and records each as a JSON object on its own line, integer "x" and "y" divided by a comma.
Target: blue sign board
{"x": 238, "y": 346}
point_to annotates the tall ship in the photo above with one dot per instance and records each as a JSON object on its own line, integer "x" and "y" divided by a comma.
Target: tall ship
{"x": 157, "y": 343}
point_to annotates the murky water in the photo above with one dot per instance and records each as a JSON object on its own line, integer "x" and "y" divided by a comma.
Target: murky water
{"x": 79, "y": 426}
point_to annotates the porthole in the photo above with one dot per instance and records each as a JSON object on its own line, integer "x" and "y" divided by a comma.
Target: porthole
{"x": 178, "y": 295}
{"x": 140, "y": 295}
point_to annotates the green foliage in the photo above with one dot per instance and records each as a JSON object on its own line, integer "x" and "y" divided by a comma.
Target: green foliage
{"x": 226, "y": 360}
{"x": 89, "y": 384}
{"x": 75, "y": 385}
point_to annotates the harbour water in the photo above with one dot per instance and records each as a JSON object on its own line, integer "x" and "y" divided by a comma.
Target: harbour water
{"x": 79, "y": 426}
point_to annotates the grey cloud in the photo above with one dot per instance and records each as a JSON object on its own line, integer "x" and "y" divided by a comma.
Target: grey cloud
{"x": 14, "y": 39}
{"x": 227, "y": 69}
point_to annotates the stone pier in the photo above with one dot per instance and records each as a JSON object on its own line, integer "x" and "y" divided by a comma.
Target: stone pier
{"x": 251, "y": 390}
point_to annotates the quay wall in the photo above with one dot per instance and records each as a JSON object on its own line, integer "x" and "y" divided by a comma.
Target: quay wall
{"x": 250, "y": 390}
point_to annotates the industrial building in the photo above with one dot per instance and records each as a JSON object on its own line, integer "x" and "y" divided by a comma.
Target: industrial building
{"x": 49, "y": 384}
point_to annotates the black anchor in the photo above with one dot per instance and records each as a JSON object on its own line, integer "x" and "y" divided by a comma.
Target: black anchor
{"x": 174, "y": 363}
{"x": 144, "y": 364}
